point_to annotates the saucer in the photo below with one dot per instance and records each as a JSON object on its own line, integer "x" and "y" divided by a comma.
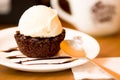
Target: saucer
{"x": 7, "y": 41}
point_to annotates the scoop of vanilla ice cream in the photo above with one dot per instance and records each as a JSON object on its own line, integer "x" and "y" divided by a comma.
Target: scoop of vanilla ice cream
{"x": 40, "y": 21}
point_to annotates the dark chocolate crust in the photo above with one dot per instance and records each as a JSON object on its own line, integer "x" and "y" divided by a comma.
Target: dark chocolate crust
{"x": 37, "y": 47}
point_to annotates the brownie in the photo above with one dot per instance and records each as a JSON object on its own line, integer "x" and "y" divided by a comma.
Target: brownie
{"x": 37, "y": 47}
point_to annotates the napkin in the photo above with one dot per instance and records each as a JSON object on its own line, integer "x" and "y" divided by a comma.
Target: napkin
{"x": 93, "y": 72}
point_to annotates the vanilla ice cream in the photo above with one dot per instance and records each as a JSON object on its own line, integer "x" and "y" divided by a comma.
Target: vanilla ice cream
{"x": 40, "y": 21}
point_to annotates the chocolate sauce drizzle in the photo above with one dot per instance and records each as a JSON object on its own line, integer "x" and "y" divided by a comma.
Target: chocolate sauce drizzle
{"x": 10, "y": 50}
{"x": 56, "y": 57}
{"x": 15, "y": 57}
{"x": 36, "y": 59}
{"x": 68, "y": 61}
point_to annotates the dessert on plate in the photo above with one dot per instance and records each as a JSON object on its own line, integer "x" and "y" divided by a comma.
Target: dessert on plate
{"x": 39, "y": 32}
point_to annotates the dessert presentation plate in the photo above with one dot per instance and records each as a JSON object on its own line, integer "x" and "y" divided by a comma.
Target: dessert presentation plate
{"x": 16, "y": 60}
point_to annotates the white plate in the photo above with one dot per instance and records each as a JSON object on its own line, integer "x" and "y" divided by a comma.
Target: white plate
{"x": 7, "y": 41}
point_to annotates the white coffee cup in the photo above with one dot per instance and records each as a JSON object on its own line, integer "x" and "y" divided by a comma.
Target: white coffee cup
{"x": 95, "y": 17}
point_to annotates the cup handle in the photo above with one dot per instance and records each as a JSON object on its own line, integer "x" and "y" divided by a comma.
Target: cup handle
{"x": 64, "y": 15}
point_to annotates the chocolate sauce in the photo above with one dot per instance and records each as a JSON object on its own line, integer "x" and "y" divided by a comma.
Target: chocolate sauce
{"x": 57, "y": 57}
{"x": 68, "y": 61}
{"x": 49, "y": 58}
{"x": 15, "y": 57}
{"x": 10, "y": 49}
{"x": 35, "y": 59}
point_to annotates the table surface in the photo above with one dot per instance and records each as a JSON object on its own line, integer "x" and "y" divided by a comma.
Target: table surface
{"x": 109, "y": 47}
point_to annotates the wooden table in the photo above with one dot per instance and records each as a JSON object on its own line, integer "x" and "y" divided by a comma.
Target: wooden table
{"x": 110, "y": 47}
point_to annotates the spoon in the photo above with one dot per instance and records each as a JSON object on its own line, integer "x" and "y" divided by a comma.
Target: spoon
{"x": 74, "y": 49}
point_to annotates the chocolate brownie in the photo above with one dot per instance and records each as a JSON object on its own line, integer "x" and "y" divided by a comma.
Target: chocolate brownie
{"x": 37, "y": 47}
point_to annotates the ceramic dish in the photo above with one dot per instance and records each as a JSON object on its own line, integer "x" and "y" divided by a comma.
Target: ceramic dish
{"x": 24, "y": 63}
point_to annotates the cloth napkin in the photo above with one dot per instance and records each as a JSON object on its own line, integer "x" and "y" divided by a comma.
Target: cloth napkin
{"x": 93, "y": 72}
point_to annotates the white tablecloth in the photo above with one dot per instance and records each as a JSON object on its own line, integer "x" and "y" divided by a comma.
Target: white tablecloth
{"x": 91, "y": 71}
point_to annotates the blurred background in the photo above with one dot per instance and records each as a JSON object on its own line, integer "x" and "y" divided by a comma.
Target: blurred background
{"x": 11, "y": 11}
